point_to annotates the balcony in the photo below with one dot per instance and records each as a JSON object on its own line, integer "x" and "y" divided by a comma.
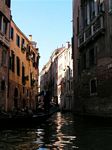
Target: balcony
{"x": 93, "y": 30}
{"x": 98, "y": 25}
{"x": 81, "y": 39}
{"x": 23, "y": 48}
{"x": 28, "y": 56}
{"x": 4, "y": 39}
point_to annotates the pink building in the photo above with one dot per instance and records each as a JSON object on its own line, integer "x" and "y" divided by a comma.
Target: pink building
{"x": 4, "y": 51}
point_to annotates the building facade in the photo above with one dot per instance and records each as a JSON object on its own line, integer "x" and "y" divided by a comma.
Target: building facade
{"x": 5, "y": 14}
{"x": 54, "y": 72}
{"x": 23, "y": 70}
{"x": 92, "y": 49}
{"x": 65, "y": 78}
{"x": 57, "y": 77}
{"x": 45, "y": 77}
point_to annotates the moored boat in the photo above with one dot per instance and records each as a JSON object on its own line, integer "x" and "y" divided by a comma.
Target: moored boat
{"x": 25, "y": 119}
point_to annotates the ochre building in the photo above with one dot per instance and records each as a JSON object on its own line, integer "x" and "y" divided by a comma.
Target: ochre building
{"x": 23, "y": 70}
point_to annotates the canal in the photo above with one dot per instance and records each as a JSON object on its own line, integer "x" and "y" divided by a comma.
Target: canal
{"x": 60, "y": 132}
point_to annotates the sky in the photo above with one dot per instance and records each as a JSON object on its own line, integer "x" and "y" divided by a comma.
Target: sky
{"x": 48, "y": 21}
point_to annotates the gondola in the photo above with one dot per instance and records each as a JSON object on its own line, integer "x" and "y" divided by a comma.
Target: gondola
{"x": 25, "y": 120}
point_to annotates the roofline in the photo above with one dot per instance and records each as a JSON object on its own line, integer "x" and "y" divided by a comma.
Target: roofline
{"x": 21, "y": 31}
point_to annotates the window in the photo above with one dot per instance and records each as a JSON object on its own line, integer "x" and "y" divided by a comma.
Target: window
{"x": 93, "y": 56}
{"x": 37, "y": 62}
{"x": 4, "y": 26}
{"x": 18, "y": 65}
{"x": 4, "y": 55}
{"x": 88, "y": 13}
{"x": 12, "y": 33}
{"x": 92, "y": 9}
{"x": 7, "y": 2}
{"x": 23, "y": 74}
{"x": 34, "y": 64}
{"x": 110, "y": 5}
{"x": 85, "y": 15}
{"x": 23, "y": 48}
{"x": 17, "y": 40}
{"x": 33, "y": 80}
{"x": 33, "y": 57}
{"x": 22, "y": 43}
{"x": 12, "y": 61}
{"x": 3, "y": 85}
{"x": 93, "y": 87}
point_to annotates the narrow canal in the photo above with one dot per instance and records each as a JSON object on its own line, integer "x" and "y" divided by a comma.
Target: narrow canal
{"x": 60, "y": 132}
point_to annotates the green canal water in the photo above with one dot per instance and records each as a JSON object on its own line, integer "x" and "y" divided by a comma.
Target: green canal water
{"x": 60, "y": 132}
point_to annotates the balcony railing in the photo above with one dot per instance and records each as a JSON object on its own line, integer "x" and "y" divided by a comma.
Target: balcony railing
{"x": 92, "y": 30}
{"x": 98, "y": 25}
{"x": 28, "y": 56}
{"x": 4, "y": 39}
{"x": 88, "y": 33}
{"x": 81, "y": 39}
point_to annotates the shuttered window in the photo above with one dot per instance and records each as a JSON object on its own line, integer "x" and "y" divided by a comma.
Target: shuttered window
{"x": 17, "y": 40}
{"x": 18, "y": 65}
{"x": 12, "y": 33}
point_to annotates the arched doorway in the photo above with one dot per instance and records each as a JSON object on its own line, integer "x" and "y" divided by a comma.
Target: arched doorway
{"x": 16, "y": 98}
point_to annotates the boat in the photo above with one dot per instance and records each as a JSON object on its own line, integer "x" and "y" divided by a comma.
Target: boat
{"x": 25, "y": 119}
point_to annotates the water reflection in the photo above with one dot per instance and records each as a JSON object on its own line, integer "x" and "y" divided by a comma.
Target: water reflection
{"x": 64, "y": 132}
{"x": 61, "y": 132}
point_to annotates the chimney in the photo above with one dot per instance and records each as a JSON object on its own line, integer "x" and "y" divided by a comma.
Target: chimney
{"x": 30, "y": 37}
{"x": 68, "y": 44}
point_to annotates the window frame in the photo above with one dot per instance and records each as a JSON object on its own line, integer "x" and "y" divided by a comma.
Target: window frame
{"x": 12, "y": 61}
{"x": 18, "y": 40}
{"x": 12, "y": 33}
{"x": 8, "y": 3}
{"x": 4, "y": 26}
{"x": 110, "y": 6}
{"x": 93, "y": 93}
{"x": 4, "y": 57}
{"x": 18, "y": 66}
